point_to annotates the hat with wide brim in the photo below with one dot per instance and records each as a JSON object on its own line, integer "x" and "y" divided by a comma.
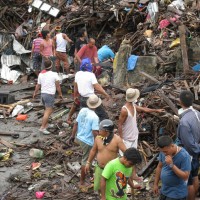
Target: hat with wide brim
{"x": 58, "y": 28}
{"x": 93, "y": 101}
{"x": 132, "y": 94}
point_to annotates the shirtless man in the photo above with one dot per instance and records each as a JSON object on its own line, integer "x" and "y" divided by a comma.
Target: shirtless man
{"x": 106, "y": 147}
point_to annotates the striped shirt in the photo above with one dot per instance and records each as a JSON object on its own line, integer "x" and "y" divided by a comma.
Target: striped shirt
{"x": 36, "y": 43}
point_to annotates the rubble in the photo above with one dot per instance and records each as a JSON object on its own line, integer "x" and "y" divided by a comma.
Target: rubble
{"x": 165, "y": 40}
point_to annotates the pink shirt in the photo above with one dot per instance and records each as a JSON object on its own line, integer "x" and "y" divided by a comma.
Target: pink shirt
{"x": 48, "y": 48}
{"x": 36, "y": 43}
{"x": 87, "y": 52}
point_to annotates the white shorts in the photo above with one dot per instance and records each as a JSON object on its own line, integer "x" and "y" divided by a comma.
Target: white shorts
{"x": 129, "y": 144}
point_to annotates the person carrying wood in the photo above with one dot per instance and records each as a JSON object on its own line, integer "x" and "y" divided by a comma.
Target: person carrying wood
{"x": 48, "y": 81}
{"x": 60, "y": 43}
{"x": 173, "y": 170}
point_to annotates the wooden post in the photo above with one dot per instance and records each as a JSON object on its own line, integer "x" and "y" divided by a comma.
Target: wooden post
{"x": 182, "y": 32}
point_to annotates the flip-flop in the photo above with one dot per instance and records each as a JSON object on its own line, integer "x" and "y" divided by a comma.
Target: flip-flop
{"x": 85, "y": 188}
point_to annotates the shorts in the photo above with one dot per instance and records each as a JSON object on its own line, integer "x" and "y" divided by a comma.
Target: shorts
{"x": 37, "y": 61}
{"x": 86, "y": 151}
{"x": 163, "y": 197}
{"x": 97, "y": 177}
{"x": 52, "y": 58}
{"x": 194, "y": 170}
{"x": 129, "y": 144}
{"x": 48, "y": 100}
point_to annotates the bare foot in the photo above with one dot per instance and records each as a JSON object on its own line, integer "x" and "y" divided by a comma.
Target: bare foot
{"x": 69, "y": 121}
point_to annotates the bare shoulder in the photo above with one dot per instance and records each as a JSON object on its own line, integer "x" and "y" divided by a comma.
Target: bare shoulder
{"x": 117, "y": 138}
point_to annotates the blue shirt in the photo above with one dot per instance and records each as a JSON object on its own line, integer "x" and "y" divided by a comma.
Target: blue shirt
{"x": 172, "y": 185}
{"x": 104, "y": 53}
{"x": 88, "y": 121}
{"x": 188, "y": 131}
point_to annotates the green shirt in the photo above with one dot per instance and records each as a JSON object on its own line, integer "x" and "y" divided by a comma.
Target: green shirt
{"x": 117, "y": 176}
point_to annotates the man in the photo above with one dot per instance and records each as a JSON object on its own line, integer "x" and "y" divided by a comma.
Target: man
{"x": 105, "y": 53}
{"x": 47, "y": 49}
{"x": 82, "y": 41}
{"x": 35, "y": 54}
{"x": 116, "y": 175}
{"x": 127, "y": 125}
{"x": 189, "y": 136}
{"x": 84, "y": 85}
{"x": 89, "y": 51}
{"x": 48, "y": 81}
{"x": 106, "y": 147}
{"x": 173, "y": 169}
{"x": 87, "y": 127}
{"x": 60, "y": 43}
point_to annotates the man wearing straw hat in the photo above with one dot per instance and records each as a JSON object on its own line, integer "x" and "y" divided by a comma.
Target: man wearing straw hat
{"x": 87, "y": 128}
{"x": 127, "y": 125}
{"x": 60, "y": 42}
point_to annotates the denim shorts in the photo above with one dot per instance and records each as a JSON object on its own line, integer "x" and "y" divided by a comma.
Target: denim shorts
{"x": 48, "y": 100}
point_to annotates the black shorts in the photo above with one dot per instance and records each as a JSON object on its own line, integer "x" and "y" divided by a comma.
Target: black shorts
{"x": 163, "y": 197}
{"x": 194, "y": 170}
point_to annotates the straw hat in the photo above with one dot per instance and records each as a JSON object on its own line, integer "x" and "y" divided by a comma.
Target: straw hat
{"x": 132, "y": 94}
{"x": 93, "y": 101}
{"x": 58, "y": 28}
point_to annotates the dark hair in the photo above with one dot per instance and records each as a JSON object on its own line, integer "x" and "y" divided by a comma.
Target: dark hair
{"x": 186, "y": 98}
{"x": 164, "y": 141}
{"x": 44, "y": 34}
{"x": 47, "y": 63}
{"x": 81, "y": 32}
{"x": 133, "y": 155}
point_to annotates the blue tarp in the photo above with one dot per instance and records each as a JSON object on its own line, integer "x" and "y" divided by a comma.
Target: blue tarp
{"x": 132, "y": 60}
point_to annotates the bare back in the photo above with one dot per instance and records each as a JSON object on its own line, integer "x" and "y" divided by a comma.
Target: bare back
{"x": 106, "y": 153}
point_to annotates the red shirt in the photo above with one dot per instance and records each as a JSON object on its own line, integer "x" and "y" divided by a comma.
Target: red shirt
{"x": 87, "y": 52}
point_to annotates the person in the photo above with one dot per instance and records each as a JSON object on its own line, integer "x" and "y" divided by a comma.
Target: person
{"x": 47, "y": 49}
{"x": 35, "y": 54}
{"x": 89, "y": 51}
{"x": 189, "y": 137}
{"x": 127, "y": 124}
{"x": 60, "y": 43}
{"x": 105, "y": 53}
{"x": 106, "y": 147}
{"x": 117, "y": 173}
{"x": 48, "y": 81}
{"x": 84, "y": 85}
{"x": 87, "y": 127}
{"x": 173, "y": 169}
{"x": 82, "y": 40}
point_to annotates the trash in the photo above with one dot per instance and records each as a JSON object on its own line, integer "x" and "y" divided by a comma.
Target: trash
{"x": 74, "y": 166}
{"x": 5, "y": 156}
{"x": 35, "y": 166}
{"x": 21, "y": 117}
{"x": 36, "y": 153}
{"x": 175, "y": 43}
{"x": 17, "y": 110}
{"x": 39, "y": 195}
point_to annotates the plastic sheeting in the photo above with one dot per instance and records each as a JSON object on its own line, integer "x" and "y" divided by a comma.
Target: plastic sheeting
{"x": 6, "y": 72}
{"x": 18, "y": 48}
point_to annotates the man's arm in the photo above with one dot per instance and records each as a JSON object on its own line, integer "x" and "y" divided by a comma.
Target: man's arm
{"x": 188, "y": 140}
{"x": 157, "y": 177}
{"x": 148, "y": 110}
{"x": 58, "y": 88}
{"x": 32, "y": 50}
{"x": 122, "y": 119}
{"x": 54, "y": 42}
{"x": 100, "y": 90}
{"x": 67, "y": 38}
{"x": 92, "y": 155}
{"x": 53, "y": 48}
{"x": 121, "y": 145}
{"x": 41, "y": 49}
{"x": 180, "y": 173}
{"x": 80, "y": 53}
{"x": 37, "y": 87}
{"x": 76, "y": 93}
{"x": 103, "y": 188}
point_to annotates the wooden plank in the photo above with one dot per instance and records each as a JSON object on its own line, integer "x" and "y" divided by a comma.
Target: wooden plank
{"x": 149, "y": 77}
{"x": 182, "y": 32}
{"x": 168, "y": 101}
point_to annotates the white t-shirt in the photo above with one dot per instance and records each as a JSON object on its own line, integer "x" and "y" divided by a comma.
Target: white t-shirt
{"x": 85, "y": 81}
{"x": 47, "y": 80}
